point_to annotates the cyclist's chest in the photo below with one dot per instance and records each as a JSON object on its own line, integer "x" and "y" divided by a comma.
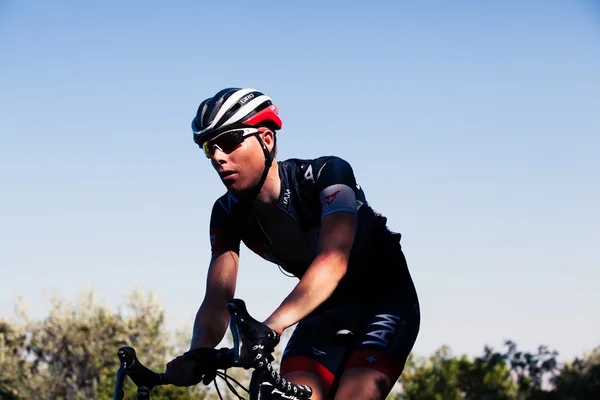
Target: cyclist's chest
{"x": 280, "y": 238}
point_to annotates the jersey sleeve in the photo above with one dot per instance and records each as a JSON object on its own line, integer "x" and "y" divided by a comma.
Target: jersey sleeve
{"x": 224, "y": 235}
{"x": 336, "y": 186}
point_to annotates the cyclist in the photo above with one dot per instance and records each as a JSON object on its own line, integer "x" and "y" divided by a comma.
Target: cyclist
{"x": 310, "y": 217}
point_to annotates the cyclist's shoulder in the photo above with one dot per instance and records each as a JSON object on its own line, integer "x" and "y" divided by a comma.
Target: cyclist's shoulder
{"x": 321, "y": 160}
{"x": 226, "y": 205}
{"x": 302, "y": 168}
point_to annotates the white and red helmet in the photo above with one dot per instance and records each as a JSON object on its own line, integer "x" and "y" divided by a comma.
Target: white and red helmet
{"x": 234, "y": 108}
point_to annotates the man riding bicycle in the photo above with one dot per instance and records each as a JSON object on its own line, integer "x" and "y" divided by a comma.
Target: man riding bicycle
{"x": 312, "y": 219}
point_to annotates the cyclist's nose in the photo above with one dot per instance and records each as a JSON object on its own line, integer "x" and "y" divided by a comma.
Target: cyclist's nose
{"x": 218, "y": 155}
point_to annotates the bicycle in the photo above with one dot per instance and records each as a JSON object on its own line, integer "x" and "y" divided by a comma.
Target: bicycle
{"x": 265, "y": 381}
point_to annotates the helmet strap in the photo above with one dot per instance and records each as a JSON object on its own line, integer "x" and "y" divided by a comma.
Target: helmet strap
{"x": 251, "y": 194}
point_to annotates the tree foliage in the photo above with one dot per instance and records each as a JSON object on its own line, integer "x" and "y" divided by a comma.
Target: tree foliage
{"x": 71, "y": 354}
{"x": 512, "y": 374}
{"x": 443, "y": 376}
{"x": 580, "y": 379}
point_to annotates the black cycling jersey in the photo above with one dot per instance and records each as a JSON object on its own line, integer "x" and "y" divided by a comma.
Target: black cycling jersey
{"x": 311, "y": 190}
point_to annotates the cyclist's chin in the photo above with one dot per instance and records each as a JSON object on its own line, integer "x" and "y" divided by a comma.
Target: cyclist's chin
{"x": 238, "y": 184}
{"x": 235, "y": 188}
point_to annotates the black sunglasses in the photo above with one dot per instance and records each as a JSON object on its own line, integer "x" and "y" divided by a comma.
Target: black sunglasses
{"x": 227, "y": 141}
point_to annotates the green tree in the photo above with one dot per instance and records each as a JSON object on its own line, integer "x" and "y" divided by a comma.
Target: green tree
{"x": 531, "y": 370}
{"x": 580, "y": 379}
{"x": 11, "y": 365}
{"x": 511, "y": 374}
{"x": 71, "y": 354}
{"x": 445, "y": 377}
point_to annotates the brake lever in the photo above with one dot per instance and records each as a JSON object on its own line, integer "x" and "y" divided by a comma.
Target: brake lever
{"x": 249, "y": 335}
{"x": 139, "y": 374}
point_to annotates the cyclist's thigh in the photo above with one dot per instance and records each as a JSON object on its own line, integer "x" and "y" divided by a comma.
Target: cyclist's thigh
{"x": 311, "y": 352}
{"x": 386, "y": 337}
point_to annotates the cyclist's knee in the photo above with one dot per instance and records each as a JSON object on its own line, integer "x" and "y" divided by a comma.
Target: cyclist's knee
{"x": 363, "y": 384}
{"x": 306, "y": 378}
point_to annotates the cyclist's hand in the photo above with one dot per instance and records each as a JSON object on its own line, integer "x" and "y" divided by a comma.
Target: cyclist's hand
{"x": 182, "y": 372}
{"x": 266, "y": 339}
{"x": 262, "y": 347}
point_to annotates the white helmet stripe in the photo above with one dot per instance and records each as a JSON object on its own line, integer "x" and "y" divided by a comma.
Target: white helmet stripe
{"x": 246, "y": 108}
{"x": 203, "y": 113}
{"x": 225, "y": 107}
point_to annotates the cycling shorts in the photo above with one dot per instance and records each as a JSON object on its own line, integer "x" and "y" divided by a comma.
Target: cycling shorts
{"x": 383, "y": 334}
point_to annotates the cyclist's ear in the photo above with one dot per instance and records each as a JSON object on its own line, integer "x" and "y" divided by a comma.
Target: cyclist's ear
{"x": 268, "y": 137}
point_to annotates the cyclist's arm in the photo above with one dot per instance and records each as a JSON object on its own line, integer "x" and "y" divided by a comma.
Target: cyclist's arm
{"x": 212, "y": 317}
{"x": 323, "y": 275}
{"x": 336, "y": 188}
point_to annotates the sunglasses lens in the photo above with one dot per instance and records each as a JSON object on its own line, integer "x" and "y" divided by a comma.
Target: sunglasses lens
{"x": 207, "y": 150}
{"x": 230, "y": 140}
{"x": 226, "y": 142}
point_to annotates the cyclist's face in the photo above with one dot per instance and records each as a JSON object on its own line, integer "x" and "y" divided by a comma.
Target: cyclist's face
{"x": 241, "y": 168}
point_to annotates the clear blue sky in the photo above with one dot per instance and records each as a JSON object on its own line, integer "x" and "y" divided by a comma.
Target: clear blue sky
{"x": 474, "y": 126}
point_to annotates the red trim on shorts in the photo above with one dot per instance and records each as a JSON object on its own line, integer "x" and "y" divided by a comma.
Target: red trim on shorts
{"x": 306, "y": 364}
{"x": 378, "y": 361}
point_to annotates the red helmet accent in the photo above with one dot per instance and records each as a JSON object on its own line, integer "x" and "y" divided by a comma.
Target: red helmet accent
{"x": 268, "y": 114}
